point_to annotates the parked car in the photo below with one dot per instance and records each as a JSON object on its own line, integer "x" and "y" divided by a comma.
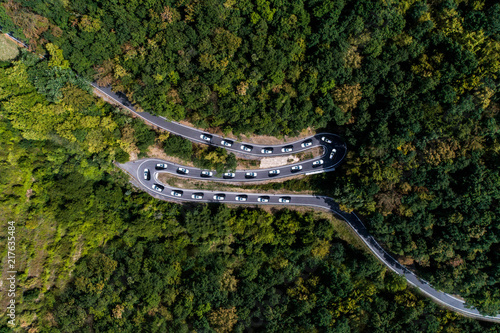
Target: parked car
{"x": 287, "y": 149}
{"x": 146, "y": 174}
{"x": 306, "y": 144}
{"x": 197, "y": 196}
{"x": 285, "y": 199}
{"x": 296, "y": 168}
{"x": 263, "y": 199}
{"x": 226, "y": 143}
{"x": 158, "y": 188}
{"x": 206, "y": 137}
{"x": 266, "y": 150}
{"x": 182, "y": 170}
{"x": 317, "y": 163}
{"x": 246, "y": 148}
{"x": 325, "y": 139}
{"x": 333, "y": 153}
{"x": 219, "y": 197}
{"x": 206, "y": 173}
{"x": 274, "y": 173}
{"x": 229, "y": 175}
{"x": 176, "y": 193}
{"x": 161, "y": 166}
{"x": 250, "y": 174}
{"x": 241, "y": 198}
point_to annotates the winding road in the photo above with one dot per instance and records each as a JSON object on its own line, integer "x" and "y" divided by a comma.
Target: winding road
{"x": 146, "y": 172}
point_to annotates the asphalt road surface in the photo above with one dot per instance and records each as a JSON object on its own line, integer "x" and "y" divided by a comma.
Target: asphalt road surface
{"x": 146, "y": 172}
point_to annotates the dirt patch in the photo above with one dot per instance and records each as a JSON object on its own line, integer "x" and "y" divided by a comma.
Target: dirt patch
{"x": 272, "y": 162}
{"x": 132, "y": 156}
{"x": 8, "y": 49}
{"x": 243, "y": 164}
{"x": 189, "y": 183}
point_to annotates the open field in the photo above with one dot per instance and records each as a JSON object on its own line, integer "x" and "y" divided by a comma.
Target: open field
{"x": 8, "y": 49}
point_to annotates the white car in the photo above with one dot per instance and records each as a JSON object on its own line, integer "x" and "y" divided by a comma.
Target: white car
{"x": 206, "y": 173}
{"x": 157, "y": 188}
{"x": 266, "y": 150}
{"x": 219, "y": 197}
{"x": 251, "y": 174}
{"x": 146, "y": 174}
{"x": 263, "y": 199}
{"x": 318, "y": 163}
{"x": 182, "y": 170}
{"x": 176, "y": 193}
{"x": 306, "y": 144}
{"x": 274, "y": 172}
{"x": 161, "y": 166}
{"x": 296, "y": 168}
{"x": 206, "y": 137}
{"x": 197, "y": 196}
{"x": 284, "y": 199}
{"x": 333, "y": 153}
{"x": 241, "y": 198}
{"x": 287, "y": 149}
{"x": 229, "y": 175}
{"x": 226, "y": 143}
{"x": 323, "y": 138}
{"x": 246, "y": 148}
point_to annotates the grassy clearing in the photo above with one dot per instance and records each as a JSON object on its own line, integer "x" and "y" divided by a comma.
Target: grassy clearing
{"x": 8, "y": 49}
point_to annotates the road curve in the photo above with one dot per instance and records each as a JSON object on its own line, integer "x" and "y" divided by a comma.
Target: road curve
{"x": 150, "y": 183}
{"x": 136, "y": 169}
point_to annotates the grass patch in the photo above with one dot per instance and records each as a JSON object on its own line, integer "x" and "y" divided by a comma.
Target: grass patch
{"x": 8, "y": 49}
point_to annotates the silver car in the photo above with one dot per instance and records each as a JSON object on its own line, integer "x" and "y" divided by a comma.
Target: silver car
{"x": 206, "y": 173}
{"x": 306, "y": 144}
{"x": 333, "y": 153}
{"x": 246, "y": 148}
{"x": 176, "y": 193}
{"x": 251, "y": 174}
{"x": 325, "y": 139}
{"x": 274, "y": 173}
{"x": 197, "y": 196}
{"x": 296, "y": 168}
{"x": 226, "y": 143}
{"x": 157, "y": 187}
{"x": 182, "y": 170}
{"x": 266, "y": 150}
{"x": 318, "y": 163}
{"x": 146, "y": 174}
{"x": 161, "y": 166}
{"x": 206, "y": 137}
{"x": 229, "y": 175}
{"x": 219, "y": 197}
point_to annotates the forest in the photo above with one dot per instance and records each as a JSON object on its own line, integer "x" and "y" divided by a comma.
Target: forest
{"x": 412, "y": 86}
{"x": 99, "y": 254}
